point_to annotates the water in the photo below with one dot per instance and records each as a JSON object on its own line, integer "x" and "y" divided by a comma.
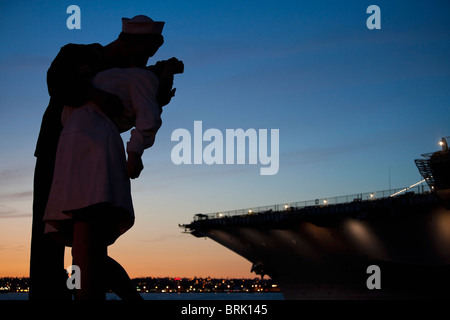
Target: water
{"x": 177, "y": 296}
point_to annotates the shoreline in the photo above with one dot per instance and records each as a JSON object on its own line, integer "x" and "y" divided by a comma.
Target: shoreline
{"x": 22, "y": 296}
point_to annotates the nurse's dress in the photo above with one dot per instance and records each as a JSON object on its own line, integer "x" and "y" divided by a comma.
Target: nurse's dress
{"x": 90, "y": 166}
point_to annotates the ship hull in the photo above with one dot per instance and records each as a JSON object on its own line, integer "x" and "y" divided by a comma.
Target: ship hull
{"x": 324, "y": 252}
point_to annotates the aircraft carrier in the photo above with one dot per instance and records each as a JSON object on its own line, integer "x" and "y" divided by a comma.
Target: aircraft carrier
{"x": 391, "y": 244}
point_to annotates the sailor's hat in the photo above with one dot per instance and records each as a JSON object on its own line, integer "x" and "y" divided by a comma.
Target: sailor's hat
{"x": 141, "y": 25}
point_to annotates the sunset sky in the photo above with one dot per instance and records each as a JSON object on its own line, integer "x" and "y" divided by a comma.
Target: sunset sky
{"x": 354, "y": 107}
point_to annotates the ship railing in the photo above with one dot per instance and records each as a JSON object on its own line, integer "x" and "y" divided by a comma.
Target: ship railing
{"x": 358, "y": 197}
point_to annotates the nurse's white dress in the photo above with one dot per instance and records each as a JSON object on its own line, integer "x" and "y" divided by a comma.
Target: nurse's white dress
{"x": 90, "y": 166}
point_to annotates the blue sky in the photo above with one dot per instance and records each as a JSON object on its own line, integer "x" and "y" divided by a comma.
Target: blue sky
{"x": 351, "y": 104}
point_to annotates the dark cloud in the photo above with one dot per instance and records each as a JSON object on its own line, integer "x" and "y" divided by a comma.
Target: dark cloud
{"x": 163, "y": 238}
{"x": 13, "y": 247}
{"x": 17, "y": 195}
{"x": 20, "y": 215}
{"x": 25, "y": 62}
{"x": 9, "y": 212}
{"x": 8, "y": 176}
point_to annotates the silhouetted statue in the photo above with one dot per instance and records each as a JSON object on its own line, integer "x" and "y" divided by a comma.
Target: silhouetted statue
{"x": 89, "y": 204}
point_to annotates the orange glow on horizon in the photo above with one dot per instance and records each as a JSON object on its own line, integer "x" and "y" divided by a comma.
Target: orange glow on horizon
{"x": 180, "y": 256}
